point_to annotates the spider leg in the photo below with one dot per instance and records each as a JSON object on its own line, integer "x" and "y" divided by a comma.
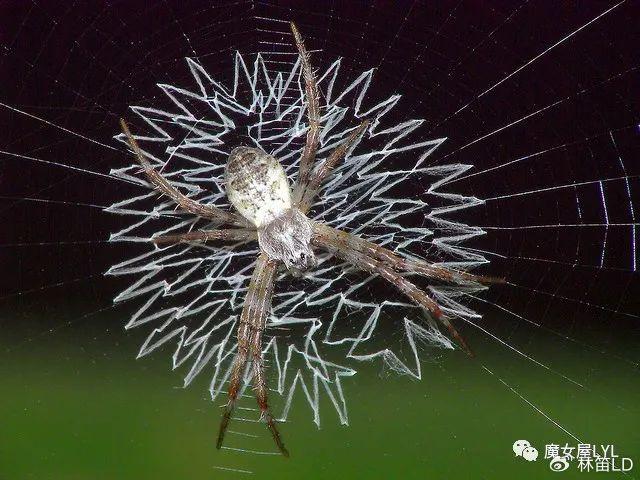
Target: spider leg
{"x": 260, "y": 386}
{"x": 252, "y": 323}
{"x": 186, "y": 203}
{"x": 372, "y": 265}
{"x": 329, "y": 234}
{"x": 327, "y": 166}
{"x": 313, "y": 115}
{"x": 237, "y": 370}
{"x": 206, "y": 236}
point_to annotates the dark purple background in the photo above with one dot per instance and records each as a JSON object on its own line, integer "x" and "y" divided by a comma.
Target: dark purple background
{"x": 80, "y": 65}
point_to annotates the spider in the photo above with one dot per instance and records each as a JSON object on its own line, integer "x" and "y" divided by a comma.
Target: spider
{"x": 268, "y": 210}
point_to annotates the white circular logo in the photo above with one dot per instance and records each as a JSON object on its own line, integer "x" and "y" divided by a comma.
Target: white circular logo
{"x": 558, "y": 464}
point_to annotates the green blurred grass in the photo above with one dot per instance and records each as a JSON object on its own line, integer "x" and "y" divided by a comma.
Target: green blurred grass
{"x": 75, "y": 404}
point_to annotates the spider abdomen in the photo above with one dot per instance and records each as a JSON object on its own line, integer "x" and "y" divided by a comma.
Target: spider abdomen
{"x": 257, "y": 185}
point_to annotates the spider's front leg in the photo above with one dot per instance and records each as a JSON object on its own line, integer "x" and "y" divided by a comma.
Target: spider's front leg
{"x": 346, "y": 247}
{"x": 260, "y": 386}
{"x": 324, "y": 234}
{"x": 252, "y": 323}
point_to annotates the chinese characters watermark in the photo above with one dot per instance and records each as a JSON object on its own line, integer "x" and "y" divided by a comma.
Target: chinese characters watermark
{"x": 586, "y": 457}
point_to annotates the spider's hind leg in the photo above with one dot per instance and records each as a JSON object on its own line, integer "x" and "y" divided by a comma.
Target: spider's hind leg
{"x": 313, "y": 115}
{"x": 164, "y": 186}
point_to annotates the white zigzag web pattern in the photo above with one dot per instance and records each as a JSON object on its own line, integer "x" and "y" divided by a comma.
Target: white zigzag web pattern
{"x": 192, "y": 295}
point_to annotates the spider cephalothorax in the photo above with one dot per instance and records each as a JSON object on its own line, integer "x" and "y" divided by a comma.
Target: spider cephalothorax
{"x": 269, "y": 211}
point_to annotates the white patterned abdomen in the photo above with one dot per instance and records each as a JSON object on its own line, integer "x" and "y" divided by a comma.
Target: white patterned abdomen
{"x": 257, "y": 185}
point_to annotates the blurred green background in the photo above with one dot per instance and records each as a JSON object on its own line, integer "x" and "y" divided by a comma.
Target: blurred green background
{"x": 75, "y": 404}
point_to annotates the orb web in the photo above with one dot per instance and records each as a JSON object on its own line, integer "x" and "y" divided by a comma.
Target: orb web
{"x": 191, "y": 295}
{"x": 543, "y": 106}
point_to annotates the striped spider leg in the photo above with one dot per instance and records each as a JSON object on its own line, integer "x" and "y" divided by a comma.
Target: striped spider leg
{"x": 187, "y": 204}
{"x": 257, "y": 305}
{"x": 313, "y": 115}
{"x": 375, "y": 259}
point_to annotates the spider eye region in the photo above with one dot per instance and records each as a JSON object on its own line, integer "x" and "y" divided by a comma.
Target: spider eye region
{"x": 257, "y": 185}
{"x": 288, "y": 238}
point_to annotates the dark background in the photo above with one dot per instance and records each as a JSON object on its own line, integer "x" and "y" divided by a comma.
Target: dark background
{"x": 502, "y": 80}
{"x": 80, "y": 65}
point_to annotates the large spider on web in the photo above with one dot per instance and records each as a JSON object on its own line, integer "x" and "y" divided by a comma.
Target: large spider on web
{"x": 270, "y": 211}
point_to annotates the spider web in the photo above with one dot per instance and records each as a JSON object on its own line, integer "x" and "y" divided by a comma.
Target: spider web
{"x": 193, "y": 295}
{"x": 544, "y": 110}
